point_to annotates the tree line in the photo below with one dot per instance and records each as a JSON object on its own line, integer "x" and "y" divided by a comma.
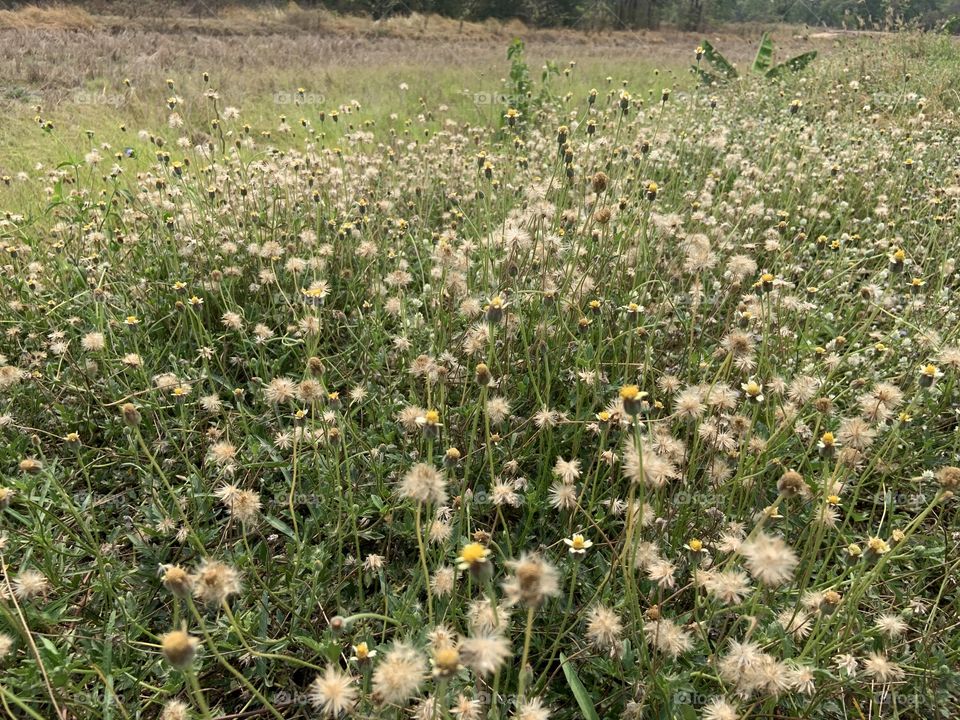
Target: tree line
{"x": 941, "y": 15}
{"x": 686, "y": 14}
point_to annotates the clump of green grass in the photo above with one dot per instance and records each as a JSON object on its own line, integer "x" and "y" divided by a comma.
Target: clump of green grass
{"x": 640, "y": 401}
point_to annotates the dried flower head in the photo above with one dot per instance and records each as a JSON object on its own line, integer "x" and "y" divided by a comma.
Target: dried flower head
{"x": 214, "y": 582}
{"x": 179, "y": 648}
{"x": 398, "y": 677}
{"x": 333, "y": 693}
{"x": 532, "y": 581}
{"x": 424, "y": 484}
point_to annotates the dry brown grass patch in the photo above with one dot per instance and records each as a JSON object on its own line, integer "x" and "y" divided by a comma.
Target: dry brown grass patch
{"x": 56, "y": 17}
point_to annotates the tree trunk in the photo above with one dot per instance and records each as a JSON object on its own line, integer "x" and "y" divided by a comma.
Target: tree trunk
{"x": 694, "y": 16}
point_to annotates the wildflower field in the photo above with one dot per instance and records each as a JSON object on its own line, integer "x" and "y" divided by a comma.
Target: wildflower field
{"x": 570, "y": 394}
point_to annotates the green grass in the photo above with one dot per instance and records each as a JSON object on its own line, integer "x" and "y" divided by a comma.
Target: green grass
{"x": 691, "y": 335}
{"x": 116, "y": 112}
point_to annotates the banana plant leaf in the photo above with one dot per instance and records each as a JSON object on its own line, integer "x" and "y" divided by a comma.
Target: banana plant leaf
{"x": 764, "y": 57}
{"x": 794, "y": 64}
{"x": 706, "y": 78}
{"x": 717, "y": 60}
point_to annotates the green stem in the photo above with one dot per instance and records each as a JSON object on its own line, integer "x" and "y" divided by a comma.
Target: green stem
{"x": 527, "y": 636}
{"x": 228, "y": 667}
{"x": 423, "y": 564}
{"x": 198, "y": 693}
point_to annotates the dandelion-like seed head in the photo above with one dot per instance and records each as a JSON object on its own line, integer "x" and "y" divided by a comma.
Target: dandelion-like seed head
{"x": 424, "y": 484}
{"x": 179, "y": 648}
{"x": 215, "y": 581}
{"x": 333, "y": 693}
{"x": 531, "y": 582}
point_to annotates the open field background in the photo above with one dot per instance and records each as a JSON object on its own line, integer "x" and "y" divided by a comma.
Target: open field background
{"x": 352, "y": 369}
{"x": 75, "y": 66}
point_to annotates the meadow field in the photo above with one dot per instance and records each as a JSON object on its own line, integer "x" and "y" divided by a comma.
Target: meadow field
{"x": 411, "y": 370}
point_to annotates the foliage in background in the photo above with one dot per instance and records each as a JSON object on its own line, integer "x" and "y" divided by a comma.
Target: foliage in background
{"x": 762, "y": 62}
{"x": 694, "y": 15}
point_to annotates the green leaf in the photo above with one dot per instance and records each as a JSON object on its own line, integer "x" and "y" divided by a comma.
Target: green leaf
{"x": 705, "y": 77}
{"x": 281, "y": 526}
{"x": 764, "y": 58}
{"x": 50, "y": 648}
{"x": 315, "y": 645}
{"x": 719, "y": 62}
{"x": 794, "y": 64}
{"x": 514, "y": 48}
{"x": 579, "y": 691}
{"x": 108, "y": 667}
